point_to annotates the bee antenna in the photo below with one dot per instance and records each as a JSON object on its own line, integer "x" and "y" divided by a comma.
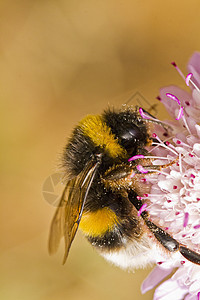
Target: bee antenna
{"x": 150, "y": 118}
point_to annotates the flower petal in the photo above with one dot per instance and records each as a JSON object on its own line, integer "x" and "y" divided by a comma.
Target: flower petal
{"x": 190, "y": 297}
{"x": 170, "y": 289}
{"x": 194, "y": 68}
{"x": 156, "y": 276}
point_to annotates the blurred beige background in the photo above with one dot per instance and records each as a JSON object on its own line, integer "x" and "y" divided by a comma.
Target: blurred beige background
{"x": 60, "y": 60}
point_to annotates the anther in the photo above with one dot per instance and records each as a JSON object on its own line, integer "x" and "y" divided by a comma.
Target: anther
{"x": 180, "y": 113}
{"x": 173, "y": 97}
{"x": 186, "y": 218}
{"x": 142, "y": 208}
{"x": 188, "y": 78}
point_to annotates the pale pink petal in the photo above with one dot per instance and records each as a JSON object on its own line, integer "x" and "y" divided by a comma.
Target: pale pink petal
{"x": 196, "y": 98}
{"x": 195, "y": 287}
{"x": 191, "y": 297}
{"x": 156, "y": 276}
{"x": 195, "y": 61}
{"x": 197, "y": 129}
{"x": 170, "y": 290}
{"x": 196, "y": 77}
{"x": 194, "y": 68}
{"x": 191, "y": 124}
{"x": 196, "y": 149}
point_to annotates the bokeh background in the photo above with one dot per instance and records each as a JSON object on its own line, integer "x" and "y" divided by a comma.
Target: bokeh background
{"x": 60, "y": 60}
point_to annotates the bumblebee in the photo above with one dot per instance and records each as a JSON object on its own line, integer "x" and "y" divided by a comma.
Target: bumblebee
{"x": 102, "y": 194}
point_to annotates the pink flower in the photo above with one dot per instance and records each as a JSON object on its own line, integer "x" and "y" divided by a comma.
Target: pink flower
{"x": 175, "y": 193}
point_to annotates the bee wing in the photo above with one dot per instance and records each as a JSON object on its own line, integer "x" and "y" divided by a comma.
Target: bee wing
{"x": 68, "y": 215}
{"x": 57, "y": 224}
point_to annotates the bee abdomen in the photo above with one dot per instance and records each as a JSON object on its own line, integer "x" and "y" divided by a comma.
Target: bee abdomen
{"x": 97, "y": 223}
{"x": 111, "y": 240}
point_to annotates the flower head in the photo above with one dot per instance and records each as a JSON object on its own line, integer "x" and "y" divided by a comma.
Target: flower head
{"x": 174, "y": 201}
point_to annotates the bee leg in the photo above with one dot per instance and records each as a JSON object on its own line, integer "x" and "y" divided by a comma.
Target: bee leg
{"x": 154, "y": 169}
{"x": 170, "y": 243}
{"x": 163, "y": 237}
{"x": 190, "y": 255}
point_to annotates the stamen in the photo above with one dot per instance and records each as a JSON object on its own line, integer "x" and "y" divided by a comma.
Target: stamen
{"x": 182, "y": 143}
{"x": 132, "y": 174}
{"x": 136, "y": 157}
{"x": 187, "y": 79}
{"x": 179, "y": 71}
{"x": 157, "y": 172}
{"x": 154, "y": 135}
{"x": 198, "y": 296}
{"x": 186, "y": 125}
{"x": 158, "y": 144}
{"x": 143, "y": 115}
{"x": 159, "y": 157}
{"x": 197, "y": 226}
{"x": 143, "y": 180}
{"x": 174, "y": 64}
{"x": 180, "y": 113}
{"x": 186, "y": 218}
{"x": 141, "y": 169}
{"x": 180, "y": 163}
{"x": 165, "y": 146}
{"x": 153, "y": 195}
{"x": 173, "y": 97}
{"x": 142, "y": 208}
{"x": 195, "y": 86}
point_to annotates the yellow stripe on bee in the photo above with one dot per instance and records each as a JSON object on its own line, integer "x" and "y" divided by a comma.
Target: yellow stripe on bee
{"x": 101, "y": 135}
{"x": 97, "y": 223}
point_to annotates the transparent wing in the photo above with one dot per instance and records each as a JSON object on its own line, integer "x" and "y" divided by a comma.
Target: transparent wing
{"x": 68, "y": 215}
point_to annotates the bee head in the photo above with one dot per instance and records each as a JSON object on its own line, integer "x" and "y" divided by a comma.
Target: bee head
{"x": 116, "y": 134}
{"x": 129, "y": 129}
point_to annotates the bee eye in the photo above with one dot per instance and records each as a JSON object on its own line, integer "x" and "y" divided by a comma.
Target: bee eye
{"x": 131, "y": 134}
{"x": 130, "y": 138}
